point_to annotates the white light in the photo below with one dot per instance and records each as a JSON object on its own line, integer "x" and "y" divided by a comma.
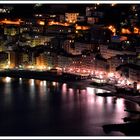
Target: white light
{"x": 8, "y": 79}
{"x": 138, "y": 86}
{"x": 54, "y": 83}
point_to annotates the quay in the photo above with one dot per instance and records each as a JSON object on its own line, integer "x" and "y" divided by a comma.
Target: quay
{"x": 42, "y": 75}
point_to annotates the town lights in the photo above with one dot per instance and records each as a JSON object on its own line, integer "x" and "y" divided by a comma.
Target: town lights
{"x": 31, "y": 67}
{"x": 101, "y": 76}
{"x": 113, "y": 29}
{"x": 41, "y": 23}
{"x": 54, "y": 84}
{"x": 71, "y": 69}
{"x": 84, "y": 71}
{"x": 49, "y": 68}
{"x": 125, "y": 31}
{"x": 129, "y": 82}
{"x": 138, "y": 87}
{"x": 58, "y": 23}
{"x": 8, "y": 79}
{"x": 136, "y": 30}
{"x": 78, "y": 70}
{"x": 6, "y": 21}
{"x": 111, "y": 74}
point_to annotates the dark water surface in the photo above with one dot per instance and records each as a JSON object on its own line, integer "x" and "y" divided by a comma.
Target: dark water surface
{"x": 34, "y": 107}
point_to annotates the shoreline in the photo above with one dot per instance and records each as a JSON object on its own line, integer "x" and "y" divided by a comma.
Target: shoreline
{"x": 41, "y": 75}
{"x": 66, "y": 78}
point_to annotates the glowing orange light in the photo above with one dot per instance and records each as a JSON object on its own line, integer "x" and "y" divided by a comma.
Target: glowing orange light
{"x": 78, "y": 27}
{"x": 41, "y": 23}
{"x": 58, "y": 23}
{"x": 113, "y": 29}
{"x": 136, "y": 30}
{"x": 5, "y": 21}
{"x": 125, "y": 31}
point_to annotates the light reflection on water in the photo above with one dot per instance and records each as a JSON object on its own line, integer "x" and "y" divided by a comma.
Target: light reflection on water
{"x": 58, "y": 108}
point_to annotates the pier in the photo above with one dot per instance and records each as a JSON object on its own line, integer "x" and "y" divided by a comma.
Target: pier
{"x": 42, "y": 75}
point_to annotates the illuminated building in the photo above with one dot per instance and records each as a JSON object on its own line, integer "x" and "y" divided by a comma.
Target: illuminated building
{"x": 108, "y": 52}
{"x": 134, "y": 15}
{"x": 92, "y": 20}
{"x": 89, "y": 11}
{"x": 81, "y": 18}
{"x": 64, "y": 61}
{"x": 125, "y": 31}
{"x": 3, "y": 59}
{"x": 93, "y": 15}
{"x": 59, "y": 29}
{"x": 61, "y": 18}
{"x": 76, "y": 48}
{"x": 46, "y": 60}
{"x": 134, "y": 73}
{"x": 37, "y": 29}
{"x": 68, "y": 46}
{"x": 84, "y": 62}
{"x": 41, "y": 61}
{"x": 118, "y": 60}
{"x": 79, "y": 47}
{"x": 89, "y": 61}
{"x": 24, "y": 29}
{"x": 100, "y": 34}
{"x": 33, "y": 25}
{"x": 35, "y": 40}
{"x": 11, "y": 30}
{"x": 2, "y": 45}
{"x": 101, "y": 64}
{"x": 71, "y": 17}
{"x": 12, "y": 58}
{"x": 81, "y": 27}
{"x": 131, "y": 72}
{"x": 17, "y": 59}
{"x": 25, "y": 59}
{"x": 113, "y": 29}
